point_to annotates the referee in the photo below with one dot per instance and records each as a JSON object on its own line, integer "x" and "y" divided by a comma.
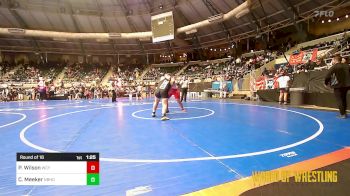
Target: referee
{"x": 184, "y": 88}
{"x": 341, "y": 84}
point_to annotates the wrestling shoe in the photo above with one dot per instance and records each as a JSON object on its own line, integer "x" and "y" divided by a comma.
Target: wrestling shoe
{"x": 164, "y": 118}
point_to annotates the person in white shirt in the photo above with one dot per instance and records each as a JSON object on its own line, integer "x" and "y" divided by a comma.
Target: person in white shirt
{"x": 223, "y": 87}
{"x": 20, "y": 94}
{"x": 223, "y": 90}
{"x": 130, "y": 91}
{"x": 184, "y": 88}
{"x": 283, "y": 85}
{"x": 6, "y": 94}
{"x": 42, "y": 88}
{"x": 96, "y": 94}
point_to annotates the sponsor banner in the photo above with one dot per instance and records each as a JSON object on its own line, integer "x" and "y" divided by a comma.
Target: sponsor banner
{"x": 312, "y": 56}
{"x": 296, "y": 59}
{"x": 303, "y": 57}
{"x": 262, "y": 83}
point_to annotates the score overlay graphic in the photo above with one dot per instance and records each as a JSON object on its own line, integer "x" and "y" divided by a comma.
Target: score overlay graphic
{"x": 57, "y": 169}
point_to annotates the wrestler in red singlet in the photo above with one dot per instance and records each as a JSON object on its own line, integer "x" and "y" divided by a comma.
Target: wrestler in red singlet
{"x": 174, "y": 90}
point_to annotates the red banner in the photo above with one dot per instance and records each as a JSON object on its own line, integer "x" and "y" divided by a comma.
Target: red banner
{"x": 260, "y": 83}
{"x": 275, "y": 83}
{"x": 314, "y": 55}
{"x": 296, "y": 59}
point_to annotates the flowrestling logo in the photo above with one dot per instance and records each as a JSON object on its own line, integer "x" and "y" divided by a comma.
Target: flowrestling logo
{"x": 318, "y": 13}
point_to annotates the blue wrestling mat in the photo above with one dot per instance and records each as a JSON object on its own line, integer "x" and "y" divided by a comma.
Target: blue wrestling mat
{"x": 214, "y": 142}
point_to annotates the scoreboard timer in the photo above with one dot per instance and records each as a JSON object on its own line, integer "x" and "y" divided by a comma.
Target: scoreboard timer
{"x": 162, "y": 26}
{"x": 57, "y": 169}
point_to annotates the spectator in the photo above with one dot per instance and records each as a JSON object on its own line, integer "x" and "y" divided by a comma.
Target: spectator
{"x": 283, "y": 85}
{"x": 20, "y": 94}
{"x": 223, "y": 87}
{"x": 265, "y": 72}
{"x": 338, "y": 77}
{"x": 114, "y": 96}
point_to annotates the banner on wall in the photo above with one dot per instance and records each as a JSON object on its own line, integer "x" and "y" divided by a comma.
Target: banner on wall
{"x": 260, "y": 83}
{"x": 303, "y": 57}
{"x": 312, "y": 56}
{"x": 263, "y": 83}
{"x": 296, "y": 59}
{"x": 216, "y": 85}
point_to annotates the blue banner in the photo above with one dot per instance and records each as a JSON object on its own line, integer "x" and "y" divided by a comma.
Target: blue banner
{"x": 216, "y": 85}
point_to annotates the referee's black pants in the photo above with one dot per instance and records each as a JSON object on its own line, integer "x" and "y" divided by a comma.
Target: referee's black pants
{"x": 340, "y": 96}
{"x": 183, "y": 94}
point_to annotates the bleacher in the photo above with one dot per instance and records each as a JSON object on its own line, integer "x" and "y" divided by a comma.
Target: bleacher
{"x": 230, "y": 68}
{"x": 125, "y": 75}
{"x": 30, "y": 73}
{"x": 155, "y": 72}
{"x": 5, "y": 69}
{"x": 84, "y": 73}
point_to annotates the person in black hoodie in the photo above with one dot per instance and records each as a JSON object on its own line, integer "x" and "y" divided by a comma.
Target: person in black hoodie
{"x": 338, "y": 77}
